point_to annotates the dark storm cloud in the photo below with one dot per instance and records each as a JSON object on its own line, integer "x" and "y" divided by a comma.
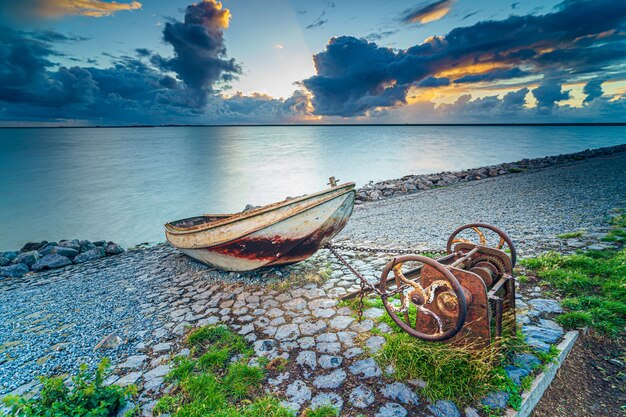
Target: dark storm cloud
{"x": 548, "y": 93}
{"x": 199, "y": 49}
{"x": 318, "y": 23}
{"x": 581, "y": 36}
{"x": 593, "y": 90}
{"x": 434, "y": 82}
{"x": 376, "y": 36}
{"x": 496, "y": 74}
{"x": 427, "y": 13}
{"x": 515, "y": 100}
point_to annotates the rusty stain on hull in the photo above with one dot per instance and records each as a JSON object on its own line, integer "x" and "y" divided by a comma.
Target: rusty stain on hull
{"x": 281, "y": 233}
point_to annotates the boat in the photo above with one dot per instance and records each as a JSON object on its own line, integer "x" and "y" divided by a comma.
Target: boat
{"x": 281, "y": 233}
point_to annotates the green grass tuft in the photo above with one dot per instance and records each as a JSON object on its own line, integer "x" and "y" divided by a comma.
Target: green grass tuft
{"x": 593, "y": 283}
{"x": 216, "y": 380}
{"x": 571, "y": 235}
{"x": 323, "y": 411}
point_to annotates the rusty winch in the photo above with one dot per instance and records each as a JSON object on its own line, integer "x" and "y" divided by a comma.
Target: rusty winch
{"x": 465, "y": 297}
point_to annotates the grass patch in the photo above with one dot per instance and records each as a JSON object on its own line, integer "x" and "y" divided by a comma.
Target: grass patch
{"x": 87, "y": 397}
{"x": 515, "y": 170}
{"x": 571, "y": 235}
{"x": 451, "y": 372}
{"x": 216, "y": 380}
{"x": 593, "y": 283}
{"x": 618, "y": 233}
{"x": 323, "y": 411}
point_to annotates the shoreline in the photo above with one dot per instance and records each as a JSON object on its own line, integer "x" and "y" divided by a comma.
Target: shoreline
{"x": 414, "y": 183}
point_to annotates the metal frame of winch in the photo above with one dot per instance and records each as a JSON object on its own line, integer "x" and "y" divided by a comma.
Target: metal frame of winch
{"x": 465, "y": 297}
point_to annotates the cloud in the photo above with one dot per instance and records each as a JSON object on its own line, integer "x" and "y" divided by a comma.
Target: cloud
{"x": 467, "y": 16}
{"x": 427, "y": 13}
{"x": 376, "y": 36}
{"x": 548, "y": 93}
{"x": 59, "y": 8}
{"x": 593, "y": 90}
{"x": 318, "y": 23}
{"x": 434, "y": 82}
{"x": 496, "y": 74}
{"x": 354, "y": 76}
{"x": 199, "y": 50}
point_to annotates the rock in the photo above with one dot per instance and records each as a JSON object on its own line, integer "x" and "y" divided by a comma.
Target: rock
{"x": 307, "y": 358}
{"x": 546, "y": 306}
{"x": 47, "y": 248}
{"x": 496, "y": 400}
{"x": 86, "y": 245}
{"x": 100, "y": 243}
{"x": 471, "y": 412}
{"x": 312, "y": 328}
{"x": 51, "y": 262}
{"x": 544, "y": 334}
{"x": 444, "y": 408}
{"x": 575, "y": 243}
{"x": 126, "y": 410}
{"x": 298, "y": 392}
{"x": 10, "y": 255}
{"x": 4, "y": 261}
{"x": 332, "y": 380}
{"x": 113, "y": 249}
{"x": 526, "y": 361}
{"x": 90, "y": 255}
{"x": 74, "y": 244}
{"x": 133, "y": 362}
{"x": 329, "y": 362}
{"x": 264, "y": 347}
{"x": 63, "y": 251}
{"x": 366, "y": 368}
{"x": 14, "y": 271}
{"x": 128, "y": 379}
{"x": 324, "y": 399}
{"x": 287, "y": 332}
{"x": 162, "y": 347}
{"x": 391, "y": 410}
{"x": 375, "y": 343}
{"x": 157, "y": 372}
{"x": 27, "y": 258}
{"x": 401, "y": 393}
{"x": 111, "y": 341}
{"x": 516, "y": 374}
{"x": 341, "y": 322}
{"x": 33, "y": 246}
{"x": 361, "y": 397}
{"x": 373, "y": 313}
{"x": 352, "y": 352}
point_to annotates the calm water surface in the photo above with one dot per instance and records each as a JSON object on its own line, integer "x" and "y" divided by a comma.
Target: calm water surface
{"x": 122, "y": 184}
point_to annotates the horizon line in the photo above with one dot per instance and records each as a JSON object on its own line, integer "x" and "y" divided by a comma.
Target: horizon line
{"x": 319, "y": 124}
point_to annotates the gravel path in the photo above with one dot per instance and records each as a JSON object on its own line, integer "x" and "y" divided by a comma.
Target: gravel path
{"x": 50, "y": 322}
{"x": 531, "y": 207}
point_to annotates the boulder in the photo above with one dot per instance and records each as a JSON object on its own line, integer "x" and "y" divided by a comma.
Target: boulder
{"x": 63, "y": 251}
{"x": 101, "y": 243}
{"x": 47, "y": 248}
{"x": 27, "y": 258}
{"x": 4, "y": 261}
{"x": 74, "y": 244}
{"x": 90, "y": 255}
{"x": 51, "y": 261}
{"x": 113, "y": 249}
{"x": 86, "y": 245}
{"x": 31, "y": 246}
{"x": 11, "y": 256}
{"x": 15, "y": 270}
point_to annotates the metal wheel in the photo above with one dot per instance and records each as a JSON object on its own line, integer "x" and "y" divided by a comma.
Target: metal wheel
{"x": 411, "y": 293}
{"x": 476, "y": 227}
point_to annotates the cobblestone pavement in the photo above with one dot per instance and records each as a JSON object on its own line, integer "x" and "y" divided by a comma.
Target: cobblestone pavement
{"x": 145, "y": 299}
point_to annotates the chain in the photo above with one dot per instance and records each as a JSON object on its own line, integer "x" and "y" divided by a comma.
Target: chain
{"x": 364, "y": 284}
{"x": 384, "y": 250}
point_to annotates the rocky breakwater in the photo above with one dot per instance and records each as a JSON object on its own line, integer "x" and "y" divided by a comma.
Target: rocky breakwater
{"x": 414, "y": 183}
{"x": 39, "y": 256}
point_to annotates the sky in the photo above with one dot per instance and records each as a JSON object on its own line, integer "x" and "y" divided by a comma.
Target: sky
{"x": 97, "y": 62}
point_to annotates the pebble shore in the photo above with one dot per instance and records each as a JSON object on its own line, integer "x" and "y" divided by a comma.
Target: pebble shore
{"x": 137, "y": 305}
